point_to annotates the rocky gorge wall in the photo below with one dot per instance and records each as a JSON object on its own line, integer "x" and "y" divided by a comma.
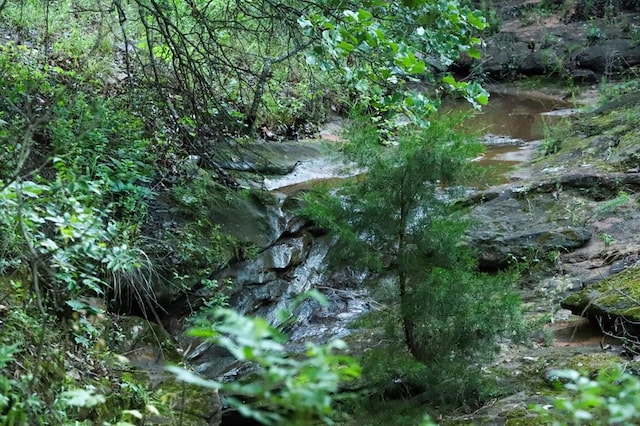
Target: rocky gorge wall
{"x": 555, "y": 39}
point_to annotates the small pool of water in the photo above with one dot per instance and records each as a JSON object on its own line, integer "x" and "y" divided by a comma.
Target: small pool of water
{"x": 513, "y": 124}
{"x": 519, "y": 115}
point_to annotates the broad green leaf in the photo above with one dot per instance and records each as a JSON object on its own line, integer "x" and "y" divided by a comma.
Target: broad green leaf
{"x": 189, "y": 377}
{"x": 473, "y": 53}
{"x": 82, "y": 398}
{"x": 477, "y": 21}
{"x": 418, "y": 68}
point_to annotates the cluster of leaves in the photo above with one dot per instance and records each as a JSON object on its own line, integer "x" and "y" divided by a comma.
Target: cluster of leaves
{"x": 382, "y": 46}
{"x": 613, "y": 397}
{"x": 285, "y": 388}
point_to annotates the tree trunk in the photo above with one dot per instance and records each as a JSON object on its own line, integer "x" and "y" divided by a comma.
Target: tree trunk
{"x": 403, "y": 280}
{"x": 407, "y": 325}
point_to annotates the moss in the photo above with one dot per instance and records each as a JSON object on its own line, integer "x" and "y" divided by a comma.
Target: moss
{"x": 195, "y": 402}
{"x": 583, "y": 142}
{"x": 590, "y": 363}
{"x": 615, "y": 296}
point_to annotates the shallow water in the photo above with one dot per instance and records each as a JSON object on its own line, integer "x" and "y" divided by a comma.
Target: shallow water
{"x": 519, "y": 115}
{"x": 511, "y": 123}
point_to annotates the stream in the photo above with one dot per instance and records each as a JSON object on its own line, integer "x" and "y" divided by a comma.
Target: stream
{"x": 512, "y": 123}
{"x": 296, "y": 261}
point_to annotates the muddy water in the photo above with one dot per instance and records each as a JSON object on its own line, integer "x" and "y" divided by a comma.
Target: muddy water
{"x": 512, "y": 124}
{"x": 517, "y": 114}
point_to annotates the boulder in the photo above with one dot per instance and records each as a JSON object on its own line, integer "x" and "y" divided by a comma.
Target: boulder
{"x": 513, "y": 226}
{"x": 614, "y": 300}
{"x": 584, "y": 52}
{"x": 496, "y": 250}
{"x": 256, "y": 220}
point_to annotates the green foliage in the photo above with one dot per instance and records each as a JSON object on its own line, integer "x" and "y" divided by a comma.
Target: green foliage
{"x": 587, "y": 10}
{"x": 613, "y": 397}
{"x": 595, "y": 34}
{"x": 621, "y": 199}
{"x": 207, "y": 313}
{"x": 199, "y": 246}
{"x": 579, "y": 214}
{"x": 62, "y": 373}
{"x": 78, "y": 35}
{"x": 230, "y": 60}
{"x": 613, "y": 92}
{"x": 287, "y": 388}
{"x": 32, "y": 367}
{"x": 492, "y": 15}
{"x": 554, "y": 136}
{"x": 449, "y": 382}
{"x": 73, "y": 182}
{"x": 531, "y": 13}
{"x": 607, "y": 239}
{"x": 398, "y": 216}
{"x": 12, "y": 403}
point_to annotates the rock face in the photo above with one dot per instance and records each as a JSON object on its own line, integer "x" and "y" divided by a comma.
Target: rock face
{"x": 259, "y": 221}
{"x": 553, "y": 44}
{"x": 517, "y": 225}
{"x": 293, "y": 260}
{"x": 270, "y": 158}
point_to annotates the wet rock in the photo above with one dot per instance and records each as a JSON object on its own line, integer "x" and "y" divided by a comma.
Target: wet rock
{"x": 287, "y": 253}
{"x": 609, "y": 55}
{"x": 257, "y": 220}
{"x": 270, "y": 158}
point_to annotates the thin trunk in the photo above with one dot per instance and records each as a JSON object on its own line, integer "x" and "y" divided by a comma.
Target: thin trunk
{"x": 264, "y": 78}
{"x": 403, "y": 280}
{"x": 407, "y": 325}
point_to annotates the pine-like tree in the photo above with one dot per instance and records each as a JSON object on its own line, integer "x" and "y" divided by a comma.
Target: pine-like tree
{"x": 398, "y": 216}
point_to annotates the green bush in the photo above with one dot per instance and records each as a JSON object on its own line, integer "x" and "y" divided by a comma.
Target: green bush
{"x": 554, "y": 136}
{"x": 284, "y": 388}
{"x": 73, "y": 183}
{"x": 611, "y": 398}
